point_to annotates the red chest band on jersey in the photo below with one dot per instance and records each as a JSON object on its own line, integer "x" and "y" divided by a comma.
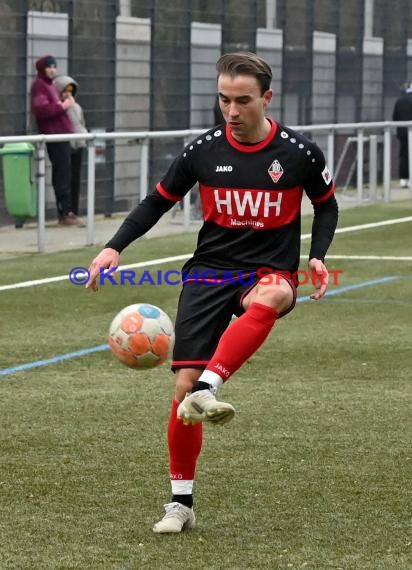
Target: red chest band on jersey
{"x": 250, "y": 208}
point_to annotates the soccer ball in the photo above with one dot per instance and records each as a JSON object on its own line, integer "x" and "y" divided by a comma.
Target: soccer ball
{"x": 141, "y": 336}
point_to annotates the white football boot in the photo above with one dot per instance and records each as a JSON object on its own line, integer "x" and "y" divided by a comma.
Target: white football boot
{"x": 202, "y": 406}
{"x": 177, "y": 518}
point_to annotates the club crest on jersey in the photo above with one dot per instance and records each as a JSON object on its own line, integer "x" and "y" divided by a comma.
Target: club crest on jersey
{"x": 326, "y": 175}
{"x": 275, "y": 171}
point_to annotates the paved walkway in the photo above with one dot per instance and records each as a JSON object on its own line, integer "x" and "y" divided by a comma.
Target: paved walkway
{"x": 24, "y": 240}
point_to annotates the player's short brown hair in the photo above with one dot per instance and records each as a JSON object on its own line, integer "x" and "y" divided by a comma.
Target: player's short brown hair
{"x": 245, "y": 63}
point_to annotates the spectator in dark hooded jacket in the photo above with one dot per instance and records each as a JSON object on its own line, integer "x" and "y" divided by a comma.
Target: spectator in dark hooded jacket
{"x": 52, "y": 118}
{"x": 402, "y": 111}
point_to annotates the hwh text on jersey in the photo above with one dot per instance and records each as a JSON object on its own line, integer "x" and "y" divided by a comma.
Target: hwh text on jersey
{"x": 259, "y": 203}
{"x": 250, "y": 208}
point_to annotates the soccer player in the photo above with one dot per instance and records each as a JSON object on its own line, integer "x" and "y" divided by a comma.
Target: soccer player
{"x": 251, "y": 173}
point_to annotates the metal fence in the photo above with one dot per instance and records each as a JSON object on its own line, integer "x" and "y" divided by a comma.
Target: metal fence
{"x": 149, "y": 65}
{"x": 365, "y": 135}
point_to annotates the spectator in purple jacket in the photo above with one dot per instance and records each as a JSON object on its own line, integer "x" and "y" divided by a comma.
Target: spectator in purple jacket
{"x": 52, "y": 118}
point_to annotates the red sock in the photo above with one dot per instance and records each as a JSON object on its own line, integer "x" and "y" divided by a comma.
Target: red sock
{"x": 241, "y": 339}
{"x": 185, "y": 444}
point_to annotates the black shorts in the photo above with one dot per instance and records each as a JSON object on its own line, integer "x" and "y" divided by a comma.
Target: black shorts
{"x": 204, "y": 312}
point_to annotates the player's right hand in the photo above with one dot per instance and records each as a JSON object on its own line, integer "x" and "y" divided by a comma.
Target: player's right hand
{"x": 108, "y": 258}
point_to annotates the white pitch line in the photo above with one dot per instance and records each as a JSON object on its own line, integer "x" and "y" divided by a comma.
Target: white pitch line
{"x": 160, "y": 261}
{"x": 367, "y": 226}
{"x": 368, "y": 257}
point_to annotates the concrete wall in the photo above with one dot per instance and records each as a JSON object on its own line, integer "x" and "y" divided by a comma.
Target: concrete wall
{"x": 409, "y": 59}
{"x": 269, "y": 46}
{"x": 206, "y": 41}
{"x": 132, "y": 103}
{"x": 323, "y": 77}
{"x": 372, "y": 79}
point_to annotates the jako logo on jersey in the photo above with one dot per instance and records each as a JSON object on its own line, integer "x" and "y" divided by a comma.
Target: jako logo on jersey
{"x": 224, "y": 168}
{"x": 258, "y": 203}
{"x": 275, "y": 171}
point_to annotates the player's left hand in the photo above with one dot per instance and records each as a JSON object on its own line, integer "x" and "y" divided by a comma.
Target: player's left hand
{"x": 320, "y": 278}
{"x": 108, "y": 258}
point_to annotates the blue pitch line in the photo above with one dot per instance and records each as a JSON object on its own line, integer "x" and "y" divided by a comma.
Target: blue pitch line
{"x": 102, "y": 347}
{"x": 348, "y": 288}
{"x": 53, "y": 360}
{"x": 391, "y": 302}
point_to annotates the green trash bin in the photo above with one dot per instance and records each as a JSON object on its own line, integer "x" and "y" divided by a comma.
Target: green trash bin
{"x": 19, "y": 174}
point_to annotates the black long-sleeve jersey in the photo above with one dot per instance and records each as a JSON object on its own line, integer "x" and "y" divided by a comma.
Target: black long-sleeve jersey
{"x": 251, "y": 200}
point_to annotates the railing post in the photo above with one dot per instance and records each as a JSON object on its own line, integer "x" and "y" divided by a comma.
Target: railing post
{"x": 387, "y": 164}
{"x": 331, "y": 151}
{"x": 187, "y": 198}
{"x": 373, "y": 165}
{"x": 186, "y": 210}
{"x": 41, "y": 203}
{"x": 359, "y": 172}
{"x": 144, "y": 168}
{"x": 410, "y": 161}
{"x": 91, "y": 190}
